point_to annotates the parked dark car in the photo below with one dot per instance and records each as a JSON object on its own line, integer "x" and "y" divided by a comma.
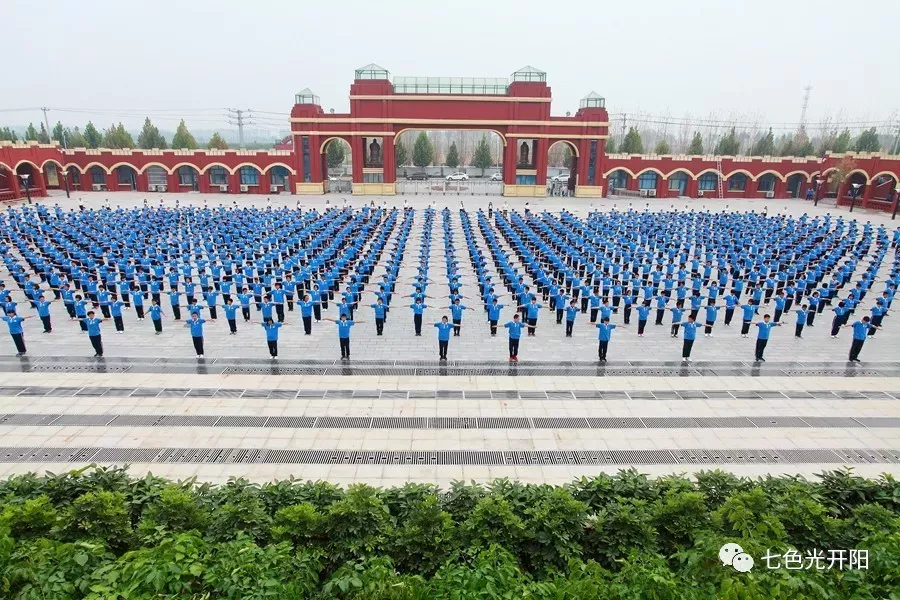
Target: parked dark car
{"x": 420, "y": 176}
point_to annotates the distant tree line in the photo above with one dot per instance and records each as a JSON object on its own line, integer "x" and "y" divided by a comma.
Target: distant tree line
{"x": 734, "y": 143}
{"x": 115, "y": 136}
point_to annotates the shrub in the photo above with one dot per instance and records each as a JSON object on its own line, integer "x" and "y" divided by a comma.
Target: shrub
{"x": 300, "y": 524}
{"x": 425, "y": 537}
{"x": 358, "y": 524}
{"x": 625, "y": 536}
{"x": 175, "y": 511}
{"x": 103, "y": 516}
{"x": 241, "y": 570}
{"x": 492, "y": 522}
{"x": 33, "y": 518}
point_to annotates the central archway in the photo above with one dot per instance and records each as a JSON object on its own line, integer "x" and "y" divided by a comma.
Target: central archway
{"x": 337, "y": 165}
{"x": 455, "y": 161}
{"x": 564, "y": 154}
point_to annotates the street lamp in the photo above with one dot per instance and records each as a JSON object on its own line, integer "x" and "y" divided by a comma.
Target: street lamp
{"x": 896, "y": 199}
{"x": 25, "y": 183}
{"x": 65, "y": 174}
{"x": 854, "y": 193}
{"x": 819, "y": 181}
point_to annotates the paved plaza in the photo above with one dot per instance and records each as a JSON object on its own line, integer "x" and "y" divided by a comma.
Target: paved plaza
{"x": 393, "y": 413}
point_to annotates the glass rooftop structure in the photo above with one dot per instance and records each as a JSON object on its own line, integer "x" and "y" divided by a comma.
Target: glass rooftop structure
{"x": 306, "y": 97}
{"x": 529, "y": 73}
{"x": 593, "y": 100}
{"x": 372, "y": 71}
{"x": 451, "y": 85}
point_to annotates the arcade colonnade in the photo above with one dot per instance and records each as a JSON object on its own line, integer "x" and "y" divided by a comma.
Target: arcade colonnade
{"x": 277, "y": 171}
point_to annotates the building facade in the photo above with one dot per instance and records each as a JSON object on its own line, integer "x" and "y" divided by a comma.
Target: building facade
{"x": 516, "y": 109}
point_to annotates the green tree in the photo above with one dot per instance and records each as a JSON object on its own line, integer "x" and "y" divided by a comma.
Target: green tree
{"x": 335, "y": 153}
{"x": 183, "y": 140}
{"x": 452, "y": 159}
{"x": 632, "y": 143}
{"x": 75, "y": 139}
{"x": 149, "y": 137}
{"x": 8, "y": 135}
{"x": 401, "y": 154}
{"x": 728, "y": 145}
{"x": 842, "y": 142}
{"x": 43, "y": 136}
{"x": 423, "y": 151}
{"x": 482, "y": 158}
{"x": 58, "y": 132}
{"x": 803, "y": 146}
{"x": 867, "y": 141}
{"x": 31, "y": 133}
{"x": 662, "y": 147}
{"x": 611, "y": 146}
{"x": 567, "y": 157}
{"x": 217, "y": 142}
{"x": 696, "y": 147}
{"x": 764, "y": 146}
{"x": 117, "y": 137}
{"x": 92, "y": 136}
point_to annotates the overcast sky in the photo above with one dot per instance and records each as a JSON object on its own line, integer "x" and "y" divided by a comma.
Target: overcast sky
{"x": 659, "y": 56}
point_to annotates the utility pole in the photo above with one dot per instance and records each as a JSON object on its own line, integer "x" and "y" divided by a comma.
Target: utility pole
{"x": 47, "y": 122}
{"x": 239, "y": 117}
{"x": 624, "y": 122}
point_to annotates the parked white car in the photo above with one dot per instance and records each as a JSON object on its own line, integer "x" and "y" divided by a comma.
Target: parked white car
{"x": 458, "y": 176}
{"x": 560, "y": 178}
{"x": 497, "y": 177}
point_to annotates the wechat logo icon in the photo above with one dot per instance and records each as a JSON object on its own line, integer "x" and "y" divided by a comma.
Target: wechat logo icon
{"x": 734, "y": 556}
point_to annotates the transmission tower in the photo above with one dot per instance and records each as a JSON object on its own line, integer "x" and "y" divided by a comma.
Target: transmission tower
{"x": 239, "y": 117}
{"x": 806, "y": 92}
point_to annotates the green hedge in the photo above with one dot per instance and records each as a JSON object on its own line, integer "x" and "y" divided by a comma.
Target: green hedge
{"x": 99, "y": 534}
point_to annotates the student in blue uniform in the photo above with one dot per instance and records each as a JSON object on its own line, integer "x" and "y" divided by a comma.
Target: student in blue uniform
{"x": 878, "y": 313}
{"x": 860, "y": 333}
{"x": 762, "y": 337}
{"x": 93, "y": 331}
{"x": 747, "y": 318}
{"x": 156, "y": 315}
{"x": 271, "y": 327}
{"x": 643, "y": 312}
{"x": 712, "y": 311}
{"x": 677, "y": 315}
{"x": 801, "y": 321}
{"x": 690, "y": 335}
{"x": 138, "y": 299}
{"x": 515, "y": 334}
{"x": 80, "y": 311}
{"x": 494, "y": 315}
{"x": 571, "y": 313}
{"x": 380, "y": 312}
{"x": 175, "y": 303}
{"x": 531, "y": 310}
{"x": 343, "y": 326}
{"x": 841, "y": 316}
{"x": 418, "y": 308}
{"x": 43, "y": 311}
{"x": 195, "y": 323}
{"x": 244, "y": 298}
{"x": 604, "y": 335}
{"x": 230, "y": 309}
{"x": 456, "y": 309}
{"x": 444, "y": 327}
{"x": 306, "y": 313}
{"x": 16, "y": 332}
{"x": 115, "y": 309}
